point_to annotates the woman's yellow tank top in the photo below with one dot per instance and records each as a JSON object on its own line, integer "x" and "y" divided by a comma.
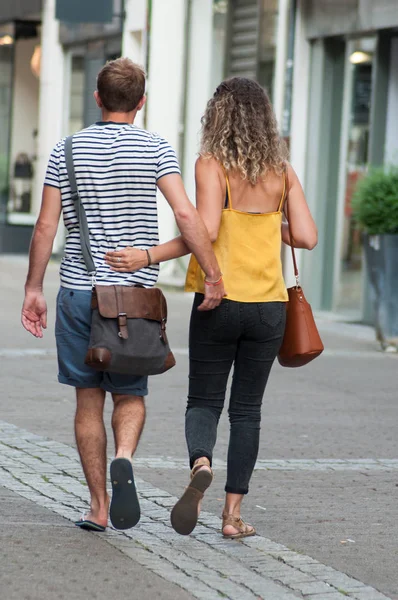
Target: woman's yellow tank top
{"x": 248, "y": 250}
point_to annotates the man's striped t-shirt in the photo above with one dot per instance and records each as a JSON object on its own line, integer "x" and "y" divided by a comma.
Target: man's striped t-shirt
{"x": 117, "y": 168}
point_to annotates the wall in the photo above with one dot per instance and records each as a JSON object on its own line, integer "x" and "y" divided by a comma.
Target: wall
{"x": 135, "y": 37}
{"x": 391, "y": 145}
{"x": 166, "y": 89}
{"x": 198, "y": 85}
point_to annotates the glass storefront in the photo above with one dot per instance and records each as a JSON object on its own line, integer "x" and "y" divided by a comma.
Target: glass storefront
{"x": 6, "y": 73}
{"x": 19, "y": 98}
{"x": 76, "y": 95}
{"x": 358, "y": 126}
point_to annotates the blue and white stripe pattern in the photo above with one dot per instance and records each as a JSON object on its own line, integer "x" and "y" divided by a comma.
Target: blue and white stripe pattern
{"x": 117, "y": 168}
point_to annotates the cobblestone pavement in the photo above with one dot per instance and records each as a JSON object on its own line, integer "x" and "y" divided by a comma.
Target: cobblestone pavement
{"x": 49, "y": 474}
{"x": 325, "y": 484}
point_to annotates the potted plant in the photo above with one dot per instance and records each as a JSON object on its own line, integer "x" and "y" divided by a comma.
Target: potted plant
{"x": 375, "y": 208}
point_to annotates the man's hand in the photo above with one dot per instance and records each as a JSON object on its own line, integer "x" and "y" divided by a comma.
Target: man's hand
{"x": 213, "y": 296}
{"x": 34, "y": 310}
{"x": 34, "y": 313}
{"x": 127, "y": 260}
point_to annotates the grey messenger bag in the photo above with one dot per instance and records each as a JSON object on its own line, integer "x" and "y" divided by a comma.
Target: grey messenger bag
{"x": 128, "y": 326}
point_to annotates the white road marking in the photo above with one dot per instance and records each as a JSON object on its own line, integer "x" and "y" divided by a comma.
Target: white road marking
{"x": 321, "y": 464}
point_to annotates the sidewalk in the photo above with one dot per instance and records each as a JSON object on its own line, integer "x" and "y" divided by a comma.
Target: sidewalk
{"x": 323, "y": 495}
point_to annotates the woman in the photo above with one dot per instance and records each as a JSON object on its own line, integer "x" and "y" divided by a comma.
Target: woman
{"x": 242, "y": 182}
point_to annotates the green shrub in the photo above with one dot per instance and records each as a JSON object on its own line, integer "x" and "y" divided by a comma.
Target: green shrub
{"x": 375, "y": 201}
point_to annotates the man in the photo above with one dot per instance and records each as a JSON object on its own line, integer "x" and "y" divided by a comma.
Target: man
{"x": 118, "y": 168}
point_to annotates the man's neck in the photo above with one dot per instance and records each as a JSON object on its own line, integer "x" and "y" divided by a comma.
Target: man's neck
{"x": 118, "y": 117}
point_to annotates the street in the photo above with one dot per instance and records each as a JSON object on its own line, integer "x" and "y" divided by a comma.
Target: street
{"x": 323, "y": 497}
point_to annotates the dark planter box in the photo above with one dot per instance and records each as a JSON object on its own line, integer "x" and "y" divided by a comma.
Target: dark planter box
{"x": 15, "y": 239}
{"x": 381, "y": 252}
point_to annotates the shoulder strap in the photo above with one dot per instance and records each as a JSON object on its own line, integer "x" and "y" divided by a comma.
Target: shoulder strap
{"x": 81, "y": 213}
{"x": 296, "y": 272}
{"x": 229, "y": 204}
{"x": 284, "y": 191}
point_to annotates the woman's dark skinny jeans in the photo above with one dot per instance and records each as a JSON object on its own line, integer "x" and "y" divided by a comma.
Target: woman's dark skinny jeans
{"x": 249, "y": 336}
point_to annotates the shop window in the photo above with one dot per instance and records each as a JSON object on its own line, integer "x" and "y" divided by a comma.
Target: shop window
{"x": 361, "y": 59}
{"x": 19, "y": 105}
{"x": 6, "y": 62}
{"x": 86, "y": 61}
{"x": 24, "y": 124}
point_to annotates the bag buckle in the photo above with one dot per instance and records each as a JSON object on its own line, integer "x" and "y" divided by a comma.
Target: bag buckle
{"x": 122, "y": 322}
{"x": 162, "y": 335}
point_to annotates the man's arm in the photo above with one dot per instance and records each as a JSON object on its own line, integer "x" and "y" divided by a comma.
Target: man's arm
{"x": 190, "y": 224}
{"x": 195, "y": 236}
{"x": 34, "y": 310}
{"x": 134, "y": 259}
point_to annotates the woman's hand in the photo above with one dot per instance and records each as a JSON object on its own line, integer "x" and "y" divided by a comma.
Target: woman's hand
{"x": 127, "y": 260}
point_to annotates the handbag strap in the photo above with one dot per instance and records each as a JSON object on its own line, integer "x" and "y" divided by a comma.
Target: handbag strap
{"x": 81, "y": 213}
{"x": 296, "y": 271}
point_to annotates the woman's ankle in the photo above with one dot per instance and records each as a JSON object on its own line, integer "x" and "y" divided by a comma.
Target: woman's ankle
{"x": 233, "y": 504}
{"x": 203, "y": 461}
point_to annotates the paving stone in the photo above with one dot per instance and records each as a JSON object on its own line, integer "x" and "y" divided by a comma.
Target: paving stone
{"x": 204, "y": 564}
{"x": 367, "y": 593}
{"x": 324, "y": 596}
{"x": 318, "y": 587}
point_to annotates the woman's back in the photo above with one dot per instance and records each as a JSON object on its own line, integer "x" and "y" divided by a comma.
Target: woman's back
{"x": 263, "y": 197}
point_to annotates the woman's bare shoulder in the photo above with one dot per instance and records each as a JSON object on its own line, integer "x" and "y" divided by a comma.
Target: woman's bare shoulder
{"x": 292, "y": 175}
{"x": 208, "y": 164}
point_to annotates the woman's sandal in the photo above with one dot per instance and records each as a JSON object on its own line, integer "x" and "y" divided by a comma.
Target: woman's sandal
{"x": 184, "y": 515}
{"x": 244, "y": 530}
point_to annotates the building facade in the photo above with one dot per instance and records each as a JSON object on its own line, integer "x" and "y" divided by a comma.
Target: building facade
{"x": 344, "y": 119}
{"x": 47, "y": 78}
{"x": 330, "y": 67}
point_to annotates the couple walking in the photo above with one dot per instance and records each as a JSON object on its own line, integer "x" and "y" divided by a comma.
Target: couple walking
{"x": 238, "y": 313}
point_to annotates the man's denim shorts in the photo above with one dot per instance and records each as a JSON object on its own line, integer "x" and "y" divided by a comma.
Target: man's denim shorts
{"x": 72, "y": 332}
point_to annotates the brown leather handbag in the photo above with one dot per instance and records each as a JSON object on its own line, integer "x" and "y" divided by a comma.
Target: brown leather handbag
{"x": 301, "y": 341}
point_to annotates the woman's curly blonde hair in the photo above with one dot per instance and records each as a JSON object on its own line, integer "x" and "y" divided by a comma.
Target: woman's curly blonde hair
{"x": 239, "y": 129}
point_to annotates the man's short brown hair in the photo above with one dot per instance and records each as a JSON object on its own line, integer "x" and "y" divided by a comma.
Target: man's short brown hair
{"x": 121, "y": 85}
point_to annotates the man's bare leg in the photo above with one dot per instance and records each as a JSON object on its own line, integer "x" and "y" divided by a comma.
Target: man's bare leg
{"x": 91, "y": 443}
{"x": 127, "y": 422}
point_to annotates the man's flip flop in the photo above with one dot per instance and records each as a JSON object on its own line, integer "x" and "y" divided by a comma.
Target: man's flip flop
{"x": 89, "y": 525}
{"x": 125, "y": 509}
{"x": 184, "y": 515}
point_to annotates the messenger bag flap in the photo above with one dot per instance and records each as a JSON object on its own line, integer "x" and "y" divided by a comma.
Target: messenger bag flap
{"x": 133, "y": 302}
